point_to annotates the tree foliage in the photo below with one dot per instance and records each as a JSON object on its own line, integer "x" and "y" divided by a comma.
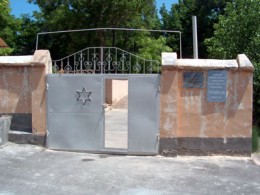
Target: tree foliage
{"x": 8, "y": 25}
{"x": 154, "y": 47}
{"x": 238, "y": 31}
{"x": 180, "y": 18}
{"x": 5, "y": 51}
{"x": 83, "y": 14}
{"x": 26, "y": 37}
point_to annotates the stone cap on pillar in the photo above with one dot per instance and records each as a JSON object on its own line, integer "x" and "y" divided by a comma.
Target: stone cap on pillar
{"x": 170, "y": 61}
{"x": 168, "y": 58}
{"x": 43, "y": 57}
{"x": 15, "y": 60}
{"x": 244, "y": 63}
{"x": 40, "y": 58}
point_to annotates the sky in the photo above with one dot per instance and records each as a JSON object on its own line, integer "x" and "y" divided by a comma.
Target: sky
{"x": 22, "y": 7}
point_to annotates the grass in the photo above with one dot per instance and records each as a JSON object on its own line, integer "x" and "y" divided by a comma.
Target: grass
{"x": 255, "y": 139}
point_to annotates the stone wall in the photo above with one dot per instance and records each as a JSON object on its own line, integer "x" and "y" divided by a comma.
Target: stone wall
{"x": 190, "y": 123}
{"x": 22, "y": 90}
{"x": 115, "y": 90}
{"x": 5, "y": 122}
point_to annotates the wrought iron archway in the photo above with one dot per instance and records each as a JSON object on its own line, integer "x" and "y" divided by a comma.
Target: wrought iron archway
{"x": 117, "y": 29}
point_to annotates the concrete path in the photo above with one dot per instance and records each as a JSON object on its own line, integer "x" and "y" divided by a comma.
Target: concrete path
{"x": 116, "y": 135}
{"x": 26, "y": 169}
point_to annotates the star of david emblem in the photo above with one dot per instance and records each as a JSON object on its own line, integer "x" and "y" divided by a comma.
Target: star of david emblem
{"x": 84, "y": 96}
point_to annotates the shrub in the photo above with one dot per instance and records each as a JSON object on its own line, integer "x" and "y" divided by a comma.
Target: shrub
{"x": 5, "y": 51}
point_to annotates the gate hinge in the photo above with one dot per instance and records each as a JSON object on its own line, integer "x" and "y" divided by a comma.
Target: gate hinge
{"x": 47, "y": 133}
{"x": 47, "y": 86}
{"x": 159, "y": 84}
{"x": 158, "y": 137}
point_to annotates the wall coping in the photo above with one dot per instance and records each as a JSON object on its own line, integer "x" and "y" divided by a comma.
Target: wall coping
{"x": 15, "y": 60}
{"x": 170, "y": 61}
{"x": 40, "y": 58}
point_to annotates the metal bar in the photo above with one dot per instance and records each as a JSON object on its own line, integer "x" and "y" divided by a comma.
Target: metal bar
{"x": 37, "y": 41}
{"x": 133, "y": 54}
{"x": 98, "y": 62}
{"x": 75, "y": 64}
{"x": 94, "y": 60}
{"x": 62, "y": 70}
{"x": 130, "y": 67}
{"x": 116, "y": 62}
{"x": 96, "y": 29}
{"x": 144, "y": 67}
{"x": 101, "y": 59}
{"x": 180, "y": 47}
{"x": 109, "y": 62}
{"x": 195, "y": 37}
{"x": 119, "y": 29}
{"x": 81, "y": 65}
{"x": 88, "y": 62}
{"x": 123, "y": 63}
{"x": 105, "y": 48}
{"x": 88, "y": 55}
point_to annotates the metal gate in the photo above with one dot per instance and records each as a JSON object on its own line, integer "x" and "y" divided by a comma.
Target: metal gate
{"x": 75, "y": 106}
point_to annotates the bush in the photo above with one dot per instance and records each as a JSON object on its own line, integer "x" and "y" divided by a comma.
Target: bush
{"x": 5, "y": 51}
{"x": 255, "y": 137}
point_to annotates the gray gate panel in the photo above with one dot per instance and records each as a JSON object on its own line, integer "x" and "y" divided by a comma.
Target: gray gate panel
{"x": 72, "y": 122}
{"x": 143, "y": 124}
{"x": 74, "y": 131}
{"x": 63, "y": 93}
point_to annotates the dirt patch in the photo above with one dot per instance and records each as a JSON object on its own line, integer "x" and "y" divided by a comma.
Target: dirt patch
{"x": 121, "y": 104}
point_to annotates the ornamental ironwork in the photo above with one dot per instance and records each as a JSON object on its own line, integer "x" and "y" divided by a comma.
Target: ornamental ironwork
{"x": 105, "y": 60}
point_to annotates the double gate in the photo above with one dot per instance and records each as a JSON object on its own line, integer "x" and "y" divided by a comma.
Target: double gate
{"x": 76, "y": 106}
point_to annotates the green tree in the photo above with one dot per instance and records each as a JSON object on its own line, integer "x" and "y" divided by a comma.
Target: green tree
{"x": 180, "y": 18}
{"x": 238, "y": 31}
{"x": 8, "y": 25}
{"x": 154, "y": 47}
{"x": 26, "y": 37}
{"x": 81, "y": 14}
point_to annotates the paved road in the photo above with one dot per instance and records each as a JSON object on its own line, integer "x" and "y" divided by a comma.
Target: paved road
{"x": 26, "y": 169}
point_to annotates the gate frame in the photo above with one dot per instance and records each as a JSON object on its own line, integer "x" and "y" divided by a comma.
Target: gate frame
{"x": 118, "y": 150}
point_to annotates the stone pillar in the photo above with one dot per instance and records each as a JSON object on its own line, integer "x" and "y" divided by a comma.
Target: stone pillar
{"x": 41, "y": 66}
{"x": 190, "y": 123}
{"x": 23, "y": 95}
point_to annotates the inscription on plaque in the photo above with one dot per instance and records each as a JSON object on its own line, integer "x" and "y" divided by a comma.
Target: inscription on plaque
{"x": 193, "y": 79}
{"x": 217, "y": 84}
